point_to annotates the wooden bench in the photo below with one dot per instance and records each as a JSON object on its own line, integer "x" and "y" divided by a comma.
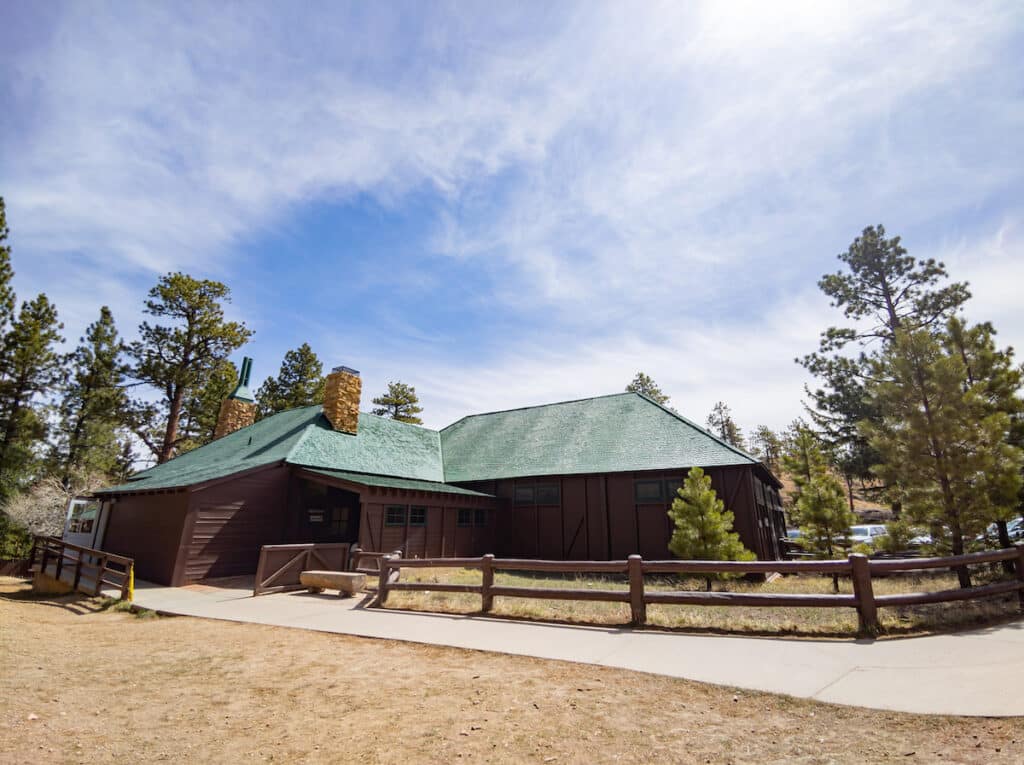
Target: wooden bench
{"x": 347, "y": 583}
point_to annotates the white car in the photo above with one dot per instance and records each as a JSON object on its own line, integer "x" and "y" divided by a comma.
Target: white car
{"x": 867, "y": 534}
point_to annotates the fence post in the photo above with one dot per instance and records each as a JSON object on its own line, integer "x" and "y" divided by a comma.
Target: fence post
{"x": 78, "y": 572}
{"x": 1020, "y": 573}
{"x": 487, "y": 569}
{"x": 867, "y": 610}
{"x": 382, "y": 582}
{"x": 637, "y": 606}
{"x": 353, "y": 557}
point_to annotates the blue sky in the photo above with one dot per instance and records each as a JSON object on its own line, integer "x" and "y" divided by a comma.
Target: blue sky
{"x": 507, "y": 206}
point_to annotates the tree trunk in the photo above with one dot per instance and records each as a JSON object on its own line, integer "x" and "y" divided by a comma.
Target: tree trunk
{"x": 849, "y": 490}
{"x": 1004, "y": 542}
{"x": 171, "y": 433}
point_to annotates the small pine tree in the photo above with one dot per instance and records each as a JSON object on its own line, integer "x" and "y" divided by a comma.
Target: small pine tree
{"x": 825, "y": 519}
{"x": 802, "y": 459}
{"x": 399, "y": 403}
{"x": 767, "y": 445}
{"x": 642, "y": 383}
{"x": 721, "y": 423}
{"x": 703, "y": 527}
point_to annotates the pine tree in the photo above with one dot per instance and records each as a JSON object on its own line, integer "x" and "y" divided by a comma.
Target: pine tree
{"x": 30, "y": 367}
{"x": 399, "y": 403}
{"x": 642, "y": 383}
{"x": 942, "y": 441}
{"x": 89, "y": 439}
{"x": 202, "y": 407}
{"x": 178, "y": 357}
{"x": 768, "y": 446}
{"x": 721, "y": 423}
{"x": 802, "y": 460}
{"x": 6, "y": 274}
{"x": 882, "y": 290}
{"x": 825, "y": 519}
{"x": 300, "y": 382}
{"x": 702, "y": 525}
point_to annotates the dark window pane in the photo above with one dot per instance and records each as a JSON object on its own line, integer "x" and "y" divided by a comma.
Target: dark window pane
{"x": 395, "y": 516}
{"x": 417, "y": 516}
{"x": 316, "y": 516}
{"x": 480, "y": 517}
{"x": 547, "y": 494}
{"x": 648, "y": 491}
{"x": 524, "y": 495}
{"x": 465, "y": 518}
{"x": 672, "y": 486}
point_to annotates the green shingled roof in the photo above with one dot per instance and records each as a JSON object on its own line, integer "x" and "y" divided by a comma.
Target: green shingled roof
{"x": 303, "y": 437}
{"x": 398, "y": 483}
{"x": 607, "y": 434}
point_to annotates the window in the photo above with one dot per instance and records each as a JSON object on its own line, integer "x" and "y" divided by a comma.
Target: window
{"x": 417, "y": 516}
{"x": 479, "y": 517}
{"x": 465, "y": 517}
{"x": 547, "y": 494}
{"x": 394, "y": 515}
{"x": 648, "y": 491}
{"x": 672, "y": 486}
{"x": 316, "y": 516}
{"x": 524, "y": 495}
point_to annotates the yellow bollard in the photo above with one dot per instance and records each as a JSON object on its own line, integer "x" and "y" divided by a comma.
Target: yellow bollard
{"x": 131, "y": 584}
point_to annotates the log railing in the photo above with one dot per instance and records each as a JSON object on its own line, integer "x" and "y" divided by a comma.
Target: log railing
{"x": 279, "y": 566}
{"x": 858, "y": 567}
{"x": 85, "y": 569}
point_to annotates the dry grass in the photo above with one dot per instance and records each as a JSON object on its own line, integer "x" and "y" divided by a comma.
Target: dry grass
{"x": 798, "y": 622}
{"x": 82, "y": 684}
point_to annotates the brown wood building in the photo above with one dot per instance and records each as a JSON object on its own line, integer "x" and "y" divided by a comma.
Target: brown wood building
{"x": 588, "y": 479}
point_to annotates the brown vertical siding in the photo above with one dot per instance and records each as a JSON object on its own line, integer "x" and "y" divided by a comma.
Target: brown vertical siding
{"x": 598, "y": 546}
{"x": 148, "y": 529}
{"x": 622, "y": 516}
{"x": 574, "y": 518}
{"x": 599, "y": 517}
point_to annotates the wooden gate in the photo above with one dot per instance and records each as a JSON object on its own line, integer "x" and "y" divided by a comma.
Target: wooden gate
{"x": 280, "y": 565}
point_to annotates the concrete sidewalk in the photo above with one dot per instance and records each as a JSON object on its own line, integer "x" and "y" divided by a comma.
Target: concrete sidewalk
{"x": 977, "y": 673}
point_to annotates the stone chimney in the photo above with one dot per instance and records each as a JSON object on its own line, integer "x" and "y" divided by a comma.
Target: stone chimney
{"x": 239, "y": 409}
{"x": 341, "y": 399}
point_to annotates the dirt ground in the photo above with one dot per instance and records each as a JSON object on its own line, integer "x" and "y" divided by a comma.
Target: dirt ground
{"x": 82, "y": 684}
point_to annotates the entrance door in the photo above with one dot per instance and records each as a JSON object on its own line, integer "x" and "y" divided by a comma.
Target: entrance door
{"x": 332, "y": 514}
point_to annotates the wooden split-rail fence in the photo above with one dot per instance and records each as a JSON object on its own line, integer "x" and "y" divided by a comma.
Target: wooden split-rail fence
{"x": 83, "y": 568}
{"x": 858, "y": 567}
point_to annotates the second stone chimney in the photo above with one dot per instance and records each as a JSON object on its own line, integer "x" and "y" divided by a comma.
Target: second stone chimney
{"x": 341, "y": 399}
{"x": 238, "y": 410}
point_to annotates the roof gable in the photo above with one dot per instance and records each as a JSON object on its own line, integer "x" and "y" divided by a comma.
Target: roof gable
{"x": 607, "y": 434}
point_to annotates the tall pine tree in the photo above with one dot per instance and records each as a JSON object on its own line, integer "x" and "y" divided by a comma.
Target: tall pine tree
{"x": 721, "y": 423}
{"x": 30, "y": 367}
{"x": 299, "y": 382}
{"x": 942, "y": 440}
{"x": 179, "y": 353}
{"x": 881, "y": 290}
{"x": 90, "y": 442}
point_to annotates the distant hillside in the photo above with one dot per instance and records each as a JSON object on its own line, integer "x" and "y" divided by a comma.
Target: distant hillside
{"x": 866, "y": 509}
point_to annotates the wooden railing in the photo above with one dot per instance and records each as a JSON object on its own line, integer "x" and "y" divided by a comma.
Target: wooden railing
{"x": 366, "y": 562}
{"x": 279, "y": 566}
{"x": 858, "y": 567}
{"x": 85, "y": 569}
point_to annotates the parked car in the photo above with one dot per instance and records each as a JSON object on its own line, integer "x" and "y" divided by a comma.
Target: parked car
{"x": 1014, "y": 528}
{"x": 867, "y": 534}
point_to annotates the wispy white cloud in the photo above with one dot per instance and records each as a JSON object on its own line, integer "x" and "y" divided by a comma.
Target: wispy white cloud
{"x": 658, "y": 188}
